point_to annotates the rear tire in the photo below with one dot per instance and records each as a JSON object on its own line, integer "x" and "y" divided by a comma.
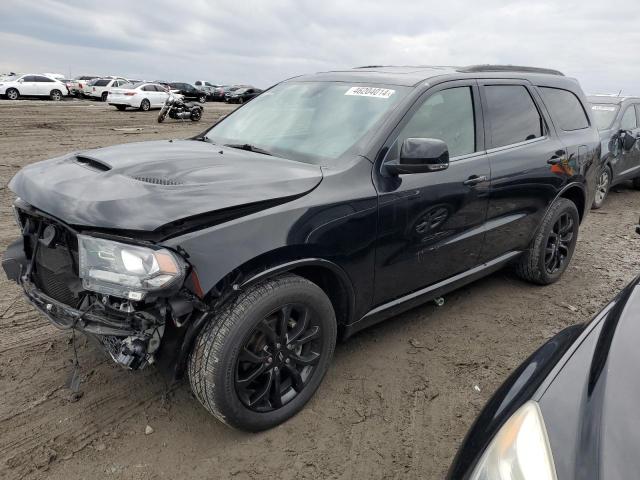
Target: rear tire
{"x": 12, "y": 94}
{"x": 602, "y": 187}
{"x": 122, "y": 108}
{"x": 202, "y": 98}
{"x": 55, "y": 95}
{"x": 551, "y": 250}
{"x": 145, "y": 105}
{"x": 262, "y": 357}
{"x": 104, "y": 96}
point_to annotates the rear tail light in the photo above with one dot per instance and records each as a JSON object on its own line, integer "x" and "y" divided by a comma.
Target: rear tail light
{"x": 130, "y": 94}
{"x": 79, "y": 85}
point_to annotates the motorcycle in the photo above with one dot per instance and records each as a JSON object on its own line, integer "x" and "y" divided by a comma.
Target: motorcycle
{"x": 178, "y": 109}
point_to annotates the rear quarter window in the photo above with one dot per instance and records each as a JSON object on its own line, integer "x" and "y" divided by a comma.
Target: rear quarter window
{"x": 566, "y": 108}
{"x": 101, "y": 83}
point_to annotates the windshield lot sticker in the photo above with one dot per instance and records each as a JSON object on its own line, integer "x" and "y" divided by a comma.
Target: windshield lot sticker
{"x": 370, "y": 92}
{"x": 603, "y": 108}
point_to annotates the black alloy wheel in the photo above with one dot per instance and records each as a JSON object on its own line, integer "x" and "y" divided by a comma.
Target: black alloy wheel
{"x": 552, "y": 247}
{"x": 559, "y": 243}
{"x": 278, "y": 359}
{"x": 260, "y": 359}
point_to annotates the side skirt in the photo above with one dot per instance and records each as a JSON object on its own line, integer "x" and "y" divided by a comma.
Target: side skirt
{"x": 407, "y": 302}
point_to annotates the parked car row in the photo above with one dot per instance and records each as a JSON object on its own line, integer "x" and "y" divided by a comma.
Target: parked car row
{"x": 54, "y": 86}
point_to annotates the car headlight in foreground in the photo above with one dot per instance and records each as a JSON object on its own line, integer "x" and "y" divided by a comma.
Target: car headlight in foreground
{"x": 519, "y": 451}
{"x": 126, "y": 271}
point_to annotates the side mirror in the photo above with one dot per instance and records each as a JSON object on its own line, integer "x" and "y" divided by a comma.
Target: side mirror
{"x": 21, "y": 80}
{"x": 627, "y": 140}
{"x": 420, "y": 155}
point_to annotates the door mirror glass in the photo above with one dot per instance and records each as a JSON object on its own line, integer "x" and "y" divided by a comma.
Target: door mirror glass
{"x": 420, "y": 155}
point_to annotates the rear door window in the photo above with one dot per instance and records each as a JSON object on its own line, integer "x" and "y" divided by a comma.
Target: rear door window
{"x": 513, "y": 116}
{"x": 629, "y": 121}
{"x": 566, "y": 108}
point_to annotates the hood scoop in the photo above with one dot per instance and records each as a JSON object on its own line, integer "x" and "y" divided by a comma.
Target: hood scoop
{"x": 157, "y": 180}
{"x": 92, "y": 163}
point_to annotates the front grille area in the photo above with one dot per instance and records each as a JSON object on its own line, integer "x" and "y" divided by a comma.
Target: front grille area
{"x": 55, "y": 285}
{"x": 55, "y": 270}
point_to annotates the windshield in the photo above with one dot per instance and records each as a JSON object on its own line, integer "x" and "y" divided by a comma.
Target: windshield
{"x": 603, "y": 114}
{"x": 308, "y": 121}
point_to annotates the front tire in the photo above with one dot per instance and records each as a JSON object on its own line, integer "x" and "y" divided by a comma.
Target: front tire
{"x": 202, "y": 98}
{"x": 55, "y": 95}
{"x": 12, "y": 94}
{"x": 602, "y": 187}
{"x": 262, "y": 357}
{"x": 552, "y": 248}
{"x": 196, "y": 115}
{"x": 145, "y": 105}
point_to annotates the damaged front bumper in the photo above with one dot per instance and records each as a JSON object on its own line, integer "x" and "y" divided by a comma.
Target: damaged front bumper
{"x": 130, "y": 332}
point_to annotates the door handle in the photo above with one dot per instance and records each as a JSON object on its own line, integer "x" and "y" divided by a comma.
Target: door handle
{"x": 475, "y": 179}
{"x": 557, "y": 157}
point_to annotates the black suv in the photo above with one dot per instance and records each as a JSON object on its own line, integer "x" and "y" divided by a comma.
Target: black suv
{"x": 618, "y": 120}
{"x": 327, "y": 204}
{"x": 188, "y": 91}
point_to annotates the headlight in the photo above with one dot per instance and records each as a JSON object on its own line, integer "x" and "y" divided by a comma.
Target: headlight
{"x": 519, "y": 451}
{"x": 126, "y": 271}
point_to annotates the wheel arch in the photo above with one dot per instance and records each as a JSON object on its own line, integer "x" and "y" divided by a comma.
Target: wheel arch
{"x": 576, "y": 193}
{"x": 329, "y": 276}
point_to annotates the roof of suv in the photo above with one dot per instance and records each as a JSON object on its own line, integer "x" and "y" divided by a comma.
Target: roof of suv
{"x": 413, "y": 75}
{"x": 615, "y": 99}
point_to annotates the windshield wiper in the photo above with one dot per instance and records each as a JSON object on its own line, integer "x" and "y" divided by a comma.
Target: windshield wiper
{"x": 248, "y": 147}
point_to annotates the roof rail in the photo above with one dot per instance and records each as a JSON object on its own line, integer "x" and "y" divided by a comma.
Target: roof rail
{"x": 508, "y": 68}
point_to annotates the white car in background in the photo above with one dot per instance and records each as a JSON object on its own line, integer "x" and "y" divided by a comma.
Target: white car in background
{"x": 77, "y": 84}
{"x": 100, "y": 88}
{"x": 142, "y": 95}
{"x": 33, "y": 85}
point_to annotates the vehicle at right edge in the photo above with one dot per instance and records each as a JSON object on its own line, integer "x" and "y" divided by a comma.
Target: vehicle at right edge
{"x": 618, "y": 120}
{"x": 570, "y": 411}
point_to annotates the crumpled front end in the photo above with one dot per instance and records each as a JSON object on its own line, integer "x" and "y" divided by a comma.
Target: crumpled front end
{"x": 46, "y": 262}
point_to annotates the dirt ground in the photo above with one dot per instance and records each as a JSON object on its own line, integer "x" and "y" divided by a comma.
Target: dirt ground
{"x": 396, "y": 402}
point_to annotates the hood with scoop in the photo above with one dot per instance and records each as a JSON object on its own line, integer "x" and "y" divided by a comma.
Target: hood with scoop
{"x": 144, "y": 186}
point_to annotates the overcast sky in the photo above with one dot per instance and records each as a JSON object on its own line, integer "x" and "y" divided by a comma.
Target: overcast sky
{"x": 262, "y": 41}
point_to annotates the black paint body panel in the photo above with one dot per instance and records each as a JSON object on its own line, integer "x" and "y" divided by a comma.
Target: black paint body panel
{"x": 585, "y": 381}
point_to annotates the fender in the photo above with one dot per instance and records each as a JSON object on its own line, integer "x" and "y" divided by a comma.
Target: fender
{"x": 565, "y": 189}
{"x": 231, "y": 289}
